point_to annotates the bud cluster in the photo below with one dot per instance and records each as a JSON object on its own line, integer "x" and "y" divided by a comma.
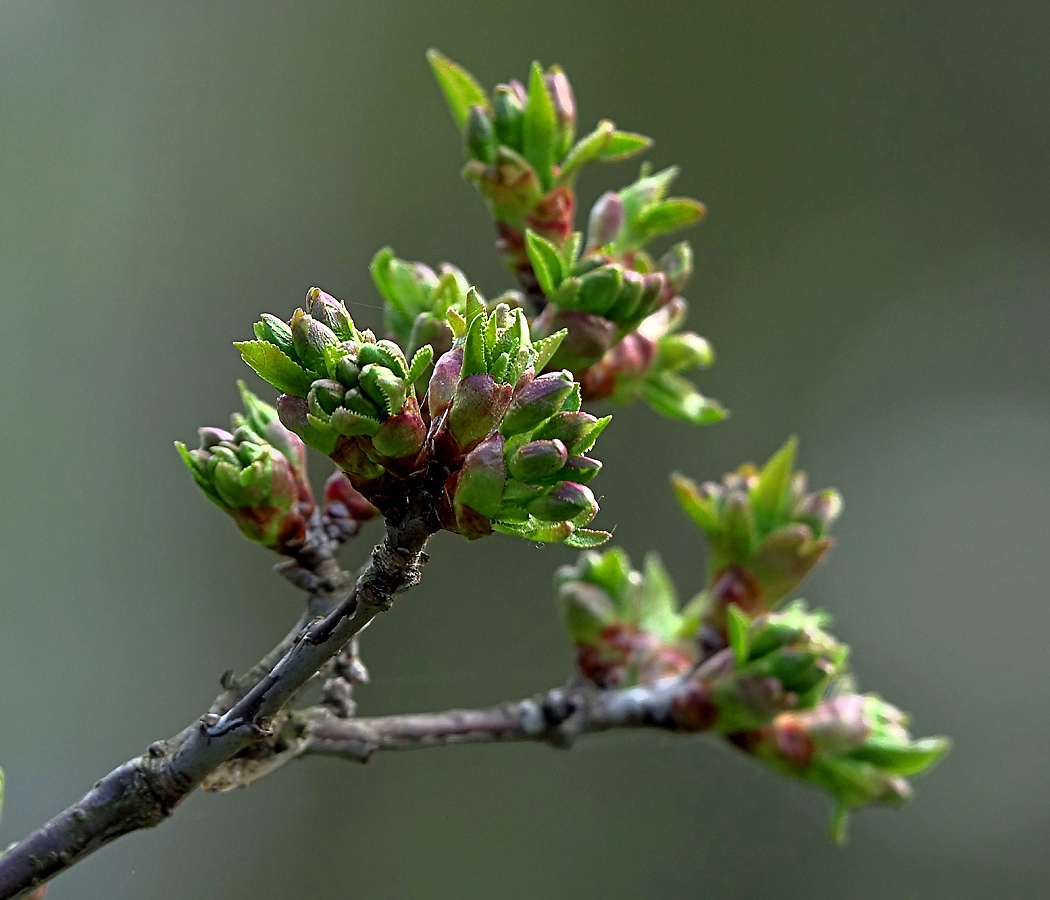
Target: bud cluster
{"x": 765, "y": 533}
{"x": 516, "y": 441}
{"x": 513, "y": 444}
{"x": 521, "y": 152}
{"x": 521, "y": 156}
{"x": 256, "y": 474}
{"x": 857, "y": 747}
{"x": 624, "y": 624}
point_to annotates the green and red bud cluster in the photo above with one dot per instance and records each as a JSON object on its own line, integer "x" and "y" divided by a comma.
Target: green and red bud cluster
{"x": 519, "y": 439}
{"x": 779, "y": 662}
{"x": 624, "y": 624}
{"x": 522, "y": 159}
{"x": 765, "y": 533}
{"x": 513, "y": 444}
{"x": 857, "y": 747}
{"x": 256, "y": 474}
{"x": 522, "y": 153}
{"x": 345, "y": 393}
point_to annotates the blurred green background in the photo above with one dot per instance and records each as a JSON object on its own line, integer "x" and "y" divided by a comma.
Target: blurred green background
{"x": 874, "y": 274}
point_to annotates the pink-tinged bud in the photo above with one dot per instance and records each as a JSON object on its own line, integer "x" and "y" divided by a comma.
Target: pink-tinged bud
{"x": 605, "y": 222}
{"x": 444, "y": 381}
{"x": 476, "y": 409}
{"x": 331, "y": 313}
{"x": 537, "y": 460}
{"x": 581, "y": 469}
{"x": 564, "y": 109}
{"x": 563, "y": 502}
{"x": 573, "y": 429}
{"x": 537, "y": 401}
{"x": 211, "y": 436}
{"x": 401, "y": 435}
{"x": 589, "y": 337}
{"x": 622, "y": 370}
{"x": 343, "y": 501}
{"x": 482, "y": 478}
{"x": 677, "y": 265}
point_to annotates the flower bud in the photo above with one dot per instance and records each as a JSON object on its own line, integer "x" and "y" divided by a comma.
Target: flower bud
{"x": 540, "y": 399}
{"x": 605, "y": 222}
{"x": 310, "y": 337}
{"x": 344, "y": 502}
{"x": 564, "y": 104}
{"x": 537, "y": 460}
{"x": 443, "y": 381}
{"x": 508, "y": 108}
{"x": 576, "y": 430}
{"x": 482, "y": 478}
{"x": 477, "y": 407}
{"x": 331, "y": 313}
{"x": 480, "y": 136}
{"x": 565, "y": 501}
{"x": 588, "y": 339}
{"x": 263, "y": 490}
{"x": 401, "y": 435}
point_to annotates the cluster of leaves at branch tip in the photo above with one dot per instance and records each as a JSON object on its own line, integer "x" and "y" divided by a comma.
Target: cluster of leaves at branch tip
{"x": 514, "y": 443}
{"x": 256, "y": 474}
{"x": 780, "y": 690}
{"x": 765, "y": 533}
{"x": 621, "y": 309}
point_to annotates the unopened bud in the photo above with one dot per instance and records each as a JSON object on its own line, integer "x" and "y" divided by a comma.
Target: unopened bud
{"x": 537, "y": 460}
{"x": 508, "y": 111}
{"x": 605, "y": 221}
{"x": 480, "y": 136}
{"x": 564, "y": 502}
{"x": 538, "y": 400}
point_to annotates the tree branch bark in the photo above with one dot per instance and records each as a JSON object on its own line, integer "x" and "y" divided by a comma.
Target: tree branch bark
{"x": 144, "y": 791}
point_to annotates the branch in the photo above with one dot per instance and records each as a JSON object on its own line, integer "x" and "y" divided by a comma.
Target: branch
{"x": 144, "y": 791}
{"x": 556, "y": 717}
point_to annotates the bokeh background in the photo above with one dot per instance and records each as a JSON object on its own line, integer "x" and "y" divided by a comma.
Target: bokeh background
{"x": 874, "y": 274}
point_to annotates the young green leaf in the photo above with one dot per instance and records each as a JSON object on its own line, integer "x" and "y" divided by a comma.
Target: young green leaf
{"x": 623, "y": 145}
{"x": 545, "y": 262}
{"x": 539, "y": 126}
{"x": 460, "y": 88}
{"x": 587, "y": 149}
{"x": 274, "y": 366}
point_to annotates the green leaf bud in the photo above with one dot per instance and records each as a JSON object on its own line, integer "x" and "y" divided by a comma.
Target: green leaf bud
{"x": 274, "y": 331}
{"x": 480, "y": 136}
{"x": 683, "y": 350}
{"x": 508, "y": 111}
{"x": 387, "y": 390}
{"x": 327, "y": 394}
{"x": 460, "y": 88}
